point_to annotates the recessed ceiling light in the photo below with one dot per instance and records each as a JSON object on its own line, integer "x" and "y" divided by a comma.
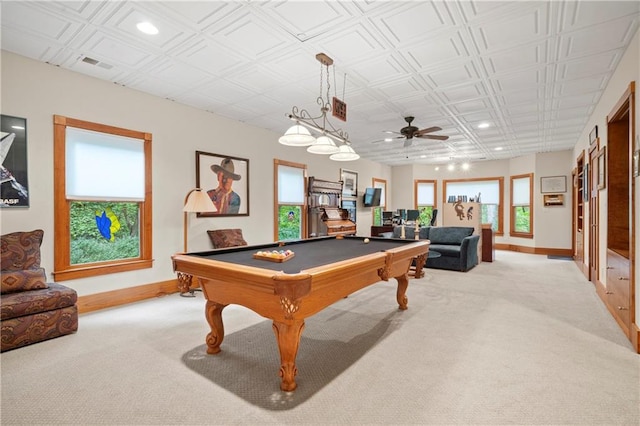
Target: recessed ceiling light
{"x": 465, "y": 166}
{"x": 423, "y": 156}
{"x": 450, "y": 167}
{"x": 147, "y": 28}
{"x": 388, "y": 140}
{"x": 437, "y": 168}
{"x": 483, "y": 125}
{"x": 498, "y": 148}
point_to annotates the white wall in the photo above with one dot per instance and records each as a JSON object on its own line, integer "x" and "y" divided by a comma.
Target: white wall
{"x": 552, "y": 225}
{"x": 37, "y": 91}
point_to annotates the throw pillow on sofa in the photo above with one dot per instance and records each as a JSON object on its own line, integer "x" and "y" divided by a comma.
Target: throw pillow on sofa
{"x": 20, "y": 250}
{"x": 28, "y": 279}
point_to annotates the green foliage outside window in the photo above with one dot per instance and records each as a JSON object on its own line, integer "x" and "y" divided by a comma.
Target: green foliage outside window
{"x": 289, "y": 223}
{"x": 522, "y": 216}
{"x": 425, "y": 215}
{"x": 88, "y": 245}
{"x": 377, "y": 216}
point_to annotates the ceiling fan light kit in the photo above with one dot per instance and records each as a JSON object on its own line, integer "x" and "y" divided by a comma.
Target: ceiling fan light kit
{"x": 324, "y": 144}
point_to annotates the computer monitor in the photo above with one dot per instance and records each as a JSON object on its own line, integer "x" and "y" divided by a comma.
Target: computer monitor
{"x": 387, "y": 218}
{"x": 413, "y": 215}
{"x": 402, "y": 213}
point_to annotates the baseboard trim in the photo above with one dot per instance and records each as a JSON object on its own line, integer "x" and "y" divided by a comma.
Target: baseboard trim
{"x": 110, "y": 299}
{"x": 534, "y": 250}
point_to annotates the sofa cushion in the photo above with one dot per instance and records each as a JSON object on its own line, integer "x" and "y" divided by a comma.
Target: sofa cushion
{"x": 36, "y": 301}
{"x": 27, "y": 279}
{"x": 449, "y": 234}
{"x": 20, "y": 250}
{"x": 28, "y": 329}
{"x": 226, "y": 238}
{"x": 450, "y": 250}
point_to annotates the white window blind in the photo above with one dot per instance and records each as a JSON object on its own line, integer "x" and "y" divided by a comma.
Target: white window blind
{"x": 426, "y": 193}
{"x": 489, "y": 190}
{"x": 290, "y": 185}
{"x": 102, "y": 167}
{"x": 521, "y": 196}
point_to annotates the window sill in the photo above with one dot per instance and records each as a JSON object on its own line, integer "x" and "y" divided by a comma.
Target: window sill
{"x": 73, "y": 273}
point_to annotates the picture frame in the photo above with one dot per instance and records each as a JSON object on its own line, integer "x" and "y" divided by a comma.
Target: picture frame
{"x": 553, "y": 184}
{"x": 602, "y": 168}
{"x": 14, "y": 189}
{"x": 551, "y": 200}
{"x": 349, "y": 180}
{"x": 215, "y": 170}
{"x": 636, "y": 163}
{"x": 593, "y": 134}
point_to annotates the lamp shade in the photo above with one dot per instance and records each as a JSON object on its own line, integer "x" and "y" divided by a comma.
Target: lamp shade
{"x": 323, "y": 145}
{"x": 198, "y": 202}
{"x": 297, "y": 135}
{"x": 346, "y": 153}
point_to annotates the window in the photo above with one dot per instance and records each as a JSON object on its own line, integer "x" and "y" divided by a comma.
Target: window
{"x": 491, "y": 192}
{"x": 290, "y": 208}
{"x": 521, "y": 206}
{"x": 377, "y": 211}
{"x": 425, "y": 196}
{"x": 102, "y": 199}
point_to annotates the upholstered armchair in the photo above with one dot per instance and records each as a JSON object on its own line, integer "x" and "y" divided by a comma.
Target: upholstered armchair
{"x": 32, "y": 309}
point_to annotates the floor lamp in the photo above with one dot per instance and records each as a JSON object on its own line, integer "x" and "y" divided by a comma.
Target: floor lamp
{"x": 196, "y": 201}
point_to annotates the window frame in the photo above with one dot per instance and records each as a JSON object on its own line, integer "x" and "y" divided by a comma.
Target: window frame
{"x": 63, "y": 269}
{"x": 416, "y": 184}
{"x": 376, "y": 212}
{"x": 276, "y": 202}
{"x": 512, "y": 207}
{"x": 501, "y": 206}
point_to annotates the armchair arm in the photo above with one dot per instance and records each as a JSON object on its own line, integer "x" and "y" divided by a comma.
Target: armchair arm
{"x": 469, "y": 252}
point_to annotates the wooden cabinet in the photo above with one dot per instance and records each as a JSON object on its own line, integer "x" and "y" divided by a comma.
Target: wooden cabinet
{"x": 488, "y": 243}
{"x": 618, "y": 287}
{"x": 377, "y": 230}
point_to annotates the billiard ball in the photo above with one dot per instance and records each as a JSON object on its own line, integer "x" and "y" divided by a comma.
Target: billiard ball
{"x": 366, "y": 240}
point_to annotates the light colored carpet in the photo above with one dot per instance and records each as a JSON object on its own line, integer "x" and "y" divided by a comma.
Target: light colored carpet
{"x": 522, "y": 340}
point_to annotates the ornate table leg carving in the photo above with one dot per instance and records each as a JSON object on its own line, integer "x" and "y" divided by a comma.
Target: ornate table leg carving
{"x": 184, "y": 284}
{"x": 419, "y": 268}
{"x": 288, "y": 337}
{"x": 213, "y": 312}
{"x": 401, "y": 294}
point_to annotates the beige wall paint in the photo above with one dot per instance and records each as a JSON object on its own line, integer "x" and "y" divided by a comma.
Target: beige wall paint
{"x": 37, "y": 91}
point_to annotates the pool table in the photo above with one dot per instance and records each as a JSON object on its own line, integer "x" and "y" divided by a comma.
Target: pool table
{"x": 321, "y": 272}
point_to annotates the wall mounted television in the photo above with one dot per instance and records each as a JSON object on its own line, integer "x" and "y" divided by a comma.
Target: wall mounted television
{"x": 372, "y": 197}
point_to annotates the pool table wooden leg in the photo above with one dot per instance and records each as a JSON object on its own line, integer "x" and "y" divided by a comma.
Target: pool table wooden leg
{"x": 401, "y": 293}
{"x": 213, "y": 312}
{"x": 288, "y": 337}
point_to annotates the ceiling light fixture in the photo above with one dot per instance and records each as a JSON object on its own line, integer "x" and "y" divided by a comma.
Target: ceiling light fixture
{"x": 147, "y": 28}
{"x": 299, "y": 135}
{"x": 483, "y": 125}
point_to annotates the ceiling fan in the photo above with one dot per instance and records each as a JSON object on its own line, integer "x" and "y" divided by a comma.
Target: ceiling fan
{"x": 409, "y": 132}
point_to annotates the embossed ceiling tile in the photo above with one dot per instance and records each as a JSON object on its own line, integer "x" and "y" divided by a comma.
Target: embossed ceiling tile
{"x": 306, "y": 20}
{"x": 113, "y": 51}
{"x": 179, "y": 73}
{"x": 470, "y": 106}
{"x": 38, "y": 22}
{"x": 591, "y": 65}
{"x": 462, "y": 93}
{"x": 258, "y": 105}
{"x": 517, "y": 97}
{"x": 401, "y": 88}
{"x": 208, "y": 55}
{"x": 517, "y": 28}
{"x": 223, "y": 90}
{"x": 350, "y": 45}
{"x": 435, "y": 51}
{"x": 453, "y": 73}
{"x": 595, "y": 39}
{"x": 198, "y": 13}
{"x": 251, "y": 36}
{"x": 200, "y": 100}
{"x": 151, "y": 84}
{"x": 28, "y": 45}
{"x": 530, "y": 78}
{"x": 575, "y": 112}
{"x": 580, "y": 86}
{"x": 124, "y": 22}
{"x": 255, "y": 78}
{"x": 411, "y": 21}
{"x": 110, "y": 74}
{"x": 379, "y": 69}
{"x": 532, "y": 55}
{"x": 582, "y": 14}
{"x": 576, "y": 101}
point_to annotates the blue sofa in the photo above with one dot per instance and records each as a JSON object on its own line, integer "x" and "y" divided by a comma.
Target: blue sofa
{"x": 457, "y": 245}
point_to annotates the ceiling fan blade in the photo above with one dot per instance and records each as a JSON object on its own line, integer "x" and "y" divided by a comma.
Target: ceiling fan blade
{"x": 436, "y": 137}
{"x": 428, "y": 130}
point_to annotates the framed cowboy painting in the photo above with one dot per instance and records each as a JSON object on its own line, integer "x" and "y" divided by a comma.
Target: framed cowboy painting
{"x": 225, "y": 179}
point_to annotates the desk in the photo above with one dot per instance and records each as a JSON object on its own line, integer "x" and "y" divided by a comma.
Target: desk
{"x": 376, "y": 230}
{"x": 323, "y": 271}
